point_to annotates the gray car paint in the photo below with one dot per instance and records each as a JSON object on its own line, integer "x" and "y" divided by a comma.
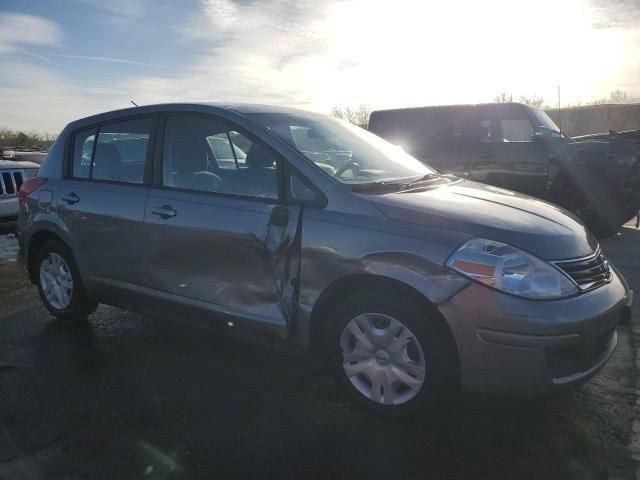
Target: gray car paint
{"x": 282, "y": 275}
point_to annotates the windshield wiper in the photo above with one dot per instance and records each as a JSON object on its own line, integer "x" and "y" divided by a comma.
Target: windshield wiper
{"x": 391, "y": 184}
{"x": 426, "y": 178}
{"x": 379, "y": 185}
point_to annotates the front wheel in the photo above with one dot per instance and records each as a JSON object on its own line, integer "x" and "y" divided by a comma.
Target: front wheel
{"x": 389, "y": 356}
{"x": 60, "y": 285}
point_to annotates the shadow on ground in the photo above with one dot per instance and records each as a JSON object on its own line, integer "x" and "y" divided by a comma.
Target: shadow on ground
{"x": 127, "y": 396}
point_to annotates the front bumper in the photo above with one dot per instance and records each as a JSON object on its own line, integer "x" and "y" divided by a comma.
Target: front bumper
{"x": 512, "y": 345}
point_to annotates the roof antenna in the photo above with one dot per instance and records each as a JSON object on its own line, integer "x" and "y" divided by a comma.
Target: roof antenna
{"x": 134, "y": 103}
{"x": 559, "y": 114}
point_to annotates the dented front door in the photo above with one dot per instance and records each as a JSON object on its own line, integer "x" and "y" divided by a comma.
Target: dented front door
{"x": 233, "y": 255}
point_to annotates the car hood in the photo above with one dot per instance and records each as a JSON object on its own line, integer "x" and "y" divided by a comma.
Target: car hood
{"x": 486, "y": 211}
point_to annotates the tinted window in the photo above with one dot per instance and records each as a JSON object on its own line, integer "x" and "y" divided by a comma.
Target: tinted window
{"x": 121, "y": 151}
{"x": 82, "y": 151}
{"x": 448, "y": 131}
{"x": 207, "y": 155}
{"x": 517, "y": 130}
{"x": 487, "y": 131}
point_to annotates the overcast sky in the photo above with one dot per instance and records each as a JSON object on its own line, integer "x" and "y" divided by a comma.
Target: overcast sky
{"x": 61, "y": 60}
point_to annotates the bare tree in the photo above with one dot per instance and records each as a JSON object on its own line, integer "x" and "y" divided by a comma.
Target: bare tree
{"x": 10, "y": 137}
{"x": 533, "y": 101}
{"x": 617, "y": 96}
{"x": 358, "y": 116}
{"x": 503, "y": 97}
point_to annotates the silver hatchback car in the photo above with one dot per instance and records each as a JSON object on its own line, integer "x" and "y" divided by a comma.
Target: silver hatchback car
{"x": 408, "y": 282}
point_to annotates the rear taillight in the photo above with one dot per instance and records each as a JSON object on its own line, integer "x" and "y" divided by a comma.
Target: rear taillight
{"x": 29, "y": 186}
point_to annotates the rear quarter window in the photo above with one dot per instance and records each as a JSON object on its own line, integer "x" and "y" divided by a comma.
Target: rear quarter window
{"x": 82, "y": 153}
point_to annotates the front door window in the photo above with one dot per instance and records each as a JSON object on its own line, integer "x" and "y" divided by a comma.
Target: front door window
{"x": 203, "y": 154}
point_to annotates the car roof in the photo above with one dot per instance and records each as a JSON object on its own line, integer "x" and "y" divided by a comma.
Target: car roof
{"x": 241, "y": 108}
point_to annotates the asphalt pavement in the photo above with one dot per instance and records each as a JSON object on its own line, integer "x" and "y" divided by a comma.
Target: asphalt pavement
{"x": 127, "y": 396}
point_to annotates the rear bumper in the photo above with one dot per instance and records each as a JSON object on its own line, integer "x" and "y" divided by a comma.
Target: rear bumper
{"x": 524, "y": 347}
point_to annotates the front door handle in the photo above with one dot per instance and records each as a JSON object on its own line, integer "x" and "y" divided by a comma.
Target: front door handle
{"x": 71, "y": 198}
{"x": 484, "y": 155}
{"x": 165, "y": 211}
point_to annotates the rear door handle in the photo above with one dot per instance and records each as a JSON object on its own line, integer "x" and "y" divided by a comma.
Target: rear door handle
{"x": 165, "y": 211}
{"x": 71, "y": 198}
{"x": 484, "y": 155}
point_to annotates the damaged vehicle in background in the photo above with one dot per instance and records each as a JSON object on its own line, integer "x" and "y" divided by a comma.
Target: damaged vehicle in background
{"x": 12, "y": 175}
{"x": 408, "y": 282}
{"x": 514, "y": 146}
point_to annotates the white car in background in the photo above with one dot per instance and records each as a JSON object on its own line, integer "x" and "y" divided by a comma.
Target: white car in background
{"x": 12, "y": 174}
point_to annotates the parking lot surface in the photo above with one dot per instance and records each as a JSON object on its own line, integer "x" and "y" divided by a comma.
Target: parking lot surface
{"x": 128, "y": 396}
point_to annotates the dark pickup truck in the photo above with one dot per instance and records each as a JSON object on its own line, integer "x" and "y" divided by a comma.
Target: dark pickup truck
{"x": 520, "y": 148}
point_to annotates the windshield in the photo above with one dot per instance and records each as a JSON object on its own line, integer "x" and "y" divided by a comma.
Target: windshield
{"x": 348, "y": 153}
{"x": 544, "y": 120}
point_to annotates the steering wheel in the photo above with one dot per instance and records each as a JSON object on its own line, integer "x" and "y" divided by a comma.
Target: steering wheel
{"x": 353, "y": 166}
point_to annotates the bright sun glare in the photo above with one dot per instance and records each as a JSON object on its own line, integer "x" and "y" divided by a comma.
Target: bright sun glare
{"x": 422, "y": 52}
{"x": 317, "y": 54}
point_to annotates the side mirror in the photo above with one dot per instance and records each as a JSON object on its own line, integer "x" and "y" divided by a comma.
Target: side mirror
{"x": 544, "y": 132}
{"x": 303, "y": 193}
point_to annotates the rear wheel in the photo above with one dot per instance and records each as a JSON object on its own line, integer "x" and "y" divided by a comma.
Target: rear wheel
{"x": 388, "y": 356}
{"x": 60, "y": 285}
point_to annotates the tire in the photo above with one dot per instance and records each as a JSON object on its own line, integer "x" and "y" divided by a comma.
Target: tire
{"x": 60, "y": 284}
{"x": 413, "y": 390}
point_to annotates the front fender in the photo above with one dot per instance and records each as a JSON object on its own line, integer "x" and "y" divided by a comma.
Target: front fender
{"x": 338, "y": 263}
{"x": 435, "y": 282}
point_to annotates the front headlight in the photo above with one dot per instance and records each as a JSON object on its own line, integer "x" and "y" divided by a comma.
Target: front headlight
{"x": 506, "y": 268}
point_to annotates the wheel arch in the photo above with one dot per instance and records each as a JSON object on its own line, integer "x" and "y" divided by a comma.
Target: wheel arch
{"x": 37, "y": 240}
{"x": 367, "y": 283}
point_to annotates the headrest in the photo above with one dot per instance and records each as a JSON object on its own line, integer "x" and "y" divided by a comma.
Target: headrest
{"x": 259, "y": 157}
{"x": 107, "y": 163}
{"x": 189, "y": 156}
{"x": 107, "y": 153}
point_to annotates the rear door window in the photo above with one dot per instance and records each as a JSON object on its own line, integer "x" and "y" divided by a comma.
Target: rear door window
{"x": 121, "y": 151}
